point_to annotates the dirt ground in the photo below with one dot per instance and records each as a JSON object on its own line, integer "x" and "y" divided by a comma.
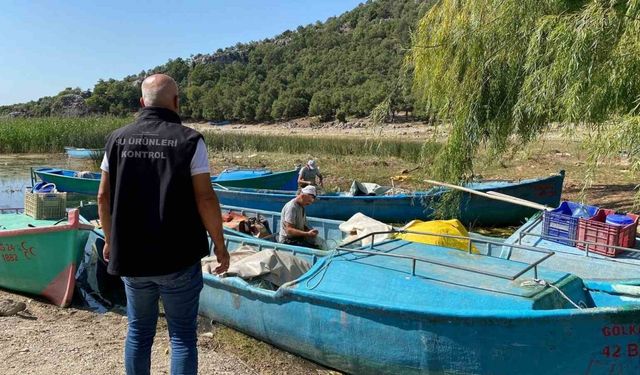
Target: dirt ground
{"x": 353, "y": 128}
{"x": 50, "y": 340}
{"x": 47, "y": 340}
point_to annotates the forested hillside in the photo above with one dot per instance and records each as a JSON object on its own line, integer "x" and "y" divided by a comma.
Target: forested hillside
{"x": 344, "y": 66}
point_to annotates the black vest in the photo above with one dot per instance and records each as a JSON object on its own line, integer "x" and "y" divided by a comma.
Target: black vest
{"x": 155, "y": 225}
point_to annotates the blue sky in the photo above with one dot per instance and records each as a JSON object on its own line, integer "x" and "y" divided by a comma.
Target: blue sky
{"x": 46, "y": 46}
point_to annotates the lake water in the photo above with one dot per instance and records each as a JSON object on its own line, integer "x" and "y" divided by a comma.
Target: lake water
{"x": 15, "y": 175}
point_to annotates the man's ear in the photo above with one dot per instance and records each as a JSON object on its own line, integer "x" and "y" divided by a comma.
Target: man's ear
{"x": 176, "y": 102}
{"x": 142, "y": 102}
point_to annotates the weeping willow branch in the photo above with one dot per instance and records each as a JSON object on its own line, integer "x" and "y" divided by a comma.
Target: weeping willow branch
{"x": 504, "y": 68}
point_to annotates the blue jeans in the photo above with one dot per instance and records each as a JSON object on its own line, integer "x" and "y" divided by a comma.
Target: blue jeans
{"x": 180, "y": 293}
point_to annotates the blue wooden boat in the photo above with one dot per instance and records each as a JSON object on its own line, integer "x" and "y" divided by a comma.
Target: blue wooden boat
{"x": 408, "y": 308}
{"x": 239, "y": 173}
{"x": 84, "y": 153}
{"x": 625, "y": 268}
{"x": 257, "y": 178}
{"x": 220, "y": 123}
{"x": 68, "y": 180}
{"x": 474, "y": 210}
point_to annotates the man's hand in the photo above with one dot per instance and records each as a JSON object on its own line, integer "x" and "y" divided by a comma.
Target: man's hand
{"x": 222, "y": 256}
{"x": 106, "y": 252}
{"x": 312, "y": 233}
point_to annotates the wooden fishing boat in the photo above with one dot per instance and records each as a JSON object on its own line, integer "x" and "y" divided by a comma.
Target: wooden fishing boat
{"x": 625, "y": 268}
{"x": 240, "y": 173}
{"x": 70, "y": 180}
{"x": 398, "y": 307}
{"x": 41, "y": 256}
{"x": 398, "y": 208}
{"x": 219, "y": 123}
{"x": 257, "y": 178}
{"x": 84, "y": 153}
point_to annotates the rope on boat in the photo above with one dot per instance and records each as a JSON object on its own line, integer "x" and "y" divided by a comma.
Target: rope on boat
{"x": 323, "y": 270}
{"x": 545, "y": 283}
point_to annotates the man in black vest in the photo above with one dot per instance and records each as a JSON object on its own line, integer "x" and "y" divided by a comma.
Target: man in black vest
{"x": 156, "y": 206}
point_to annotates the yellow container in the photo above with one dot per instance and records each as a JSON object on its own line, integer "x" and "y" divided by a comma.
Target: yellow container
{"x": 45, "y": 205}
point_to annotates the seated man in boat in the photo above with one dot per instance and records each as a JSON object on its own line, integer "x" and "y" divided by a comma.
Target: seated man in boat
{"x": 309, "y": 174}
{"x": 293, "y": 227}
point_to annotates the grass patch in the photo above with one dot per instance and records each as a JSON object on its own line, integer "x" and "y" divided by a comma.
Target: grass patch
{"x": 338, "y": 170}
{"x": 408, "y": 150}
{"x": 52, "y": 134}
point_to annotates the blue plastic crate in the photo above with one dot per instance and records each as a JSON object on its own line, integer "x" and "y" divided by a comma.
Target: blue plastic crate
{"x": 561, "y": 224}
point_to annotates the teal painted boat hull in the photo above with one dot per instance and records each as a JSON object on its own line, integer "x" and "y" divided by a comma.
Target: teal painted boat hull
{"x": 400, "y": 208}
{"x": 287, "y": 180}
{"x": 66, "y": 180}
{"x": 41, "y": 259}
{"x": 364, "y": 314}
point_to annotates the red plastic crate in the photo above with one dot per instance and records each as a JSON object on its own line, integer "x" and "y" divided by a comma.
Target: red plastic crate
{"x": 597, "y": 230}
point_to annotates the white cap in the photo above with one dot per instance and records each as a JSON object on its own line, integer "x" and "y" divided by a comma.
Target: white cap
{"x": 312, "y": 164}
{"x": 310, "y": 190}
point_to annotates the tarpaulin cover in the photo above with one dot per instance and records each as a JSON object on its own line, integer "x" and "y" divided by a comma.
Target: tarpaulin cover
{"x": 277, "y": 267}
{"x": 360, "y": 225}
{"x": 451, "y": 227}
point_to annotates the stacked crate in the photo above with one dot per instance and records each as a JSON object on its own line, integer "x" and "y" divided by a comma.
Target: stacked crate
{"x": 597, "y": 230}
{"x": 561, "y": 224}
{"x": 42, "y": 206}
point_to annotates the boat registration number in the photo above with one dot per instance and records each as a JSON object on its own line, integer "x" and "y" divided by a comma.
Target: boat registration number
{"x": 10, "y": 251}
{"x": 630, "y": 349}
{"x": 617, "y": 351}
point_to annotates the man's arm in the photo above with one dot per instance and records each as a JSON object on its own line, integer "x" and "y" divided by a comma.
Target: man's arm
{"x": 301, "y": 181}
{"x": 104, "y": 211}
{"x": 209, "y": 209}
{"x": 292, "y": 231}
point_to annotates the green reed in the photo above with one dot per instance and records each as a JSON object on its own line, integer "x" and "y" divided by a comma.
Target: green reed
{"x": 52, "y": 134}
{"x": 331, "y": 145}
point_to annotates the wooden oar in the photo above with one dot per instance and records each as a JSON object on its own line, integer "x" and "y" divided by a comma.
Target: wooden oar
{"x": 494, "y": 195}
{"x": 518, "y": 199}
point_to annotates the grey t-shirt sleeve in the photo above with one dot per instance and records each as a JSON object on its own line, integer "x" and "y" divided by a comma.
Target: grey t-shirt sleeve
{"x": 289, "y": 214}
